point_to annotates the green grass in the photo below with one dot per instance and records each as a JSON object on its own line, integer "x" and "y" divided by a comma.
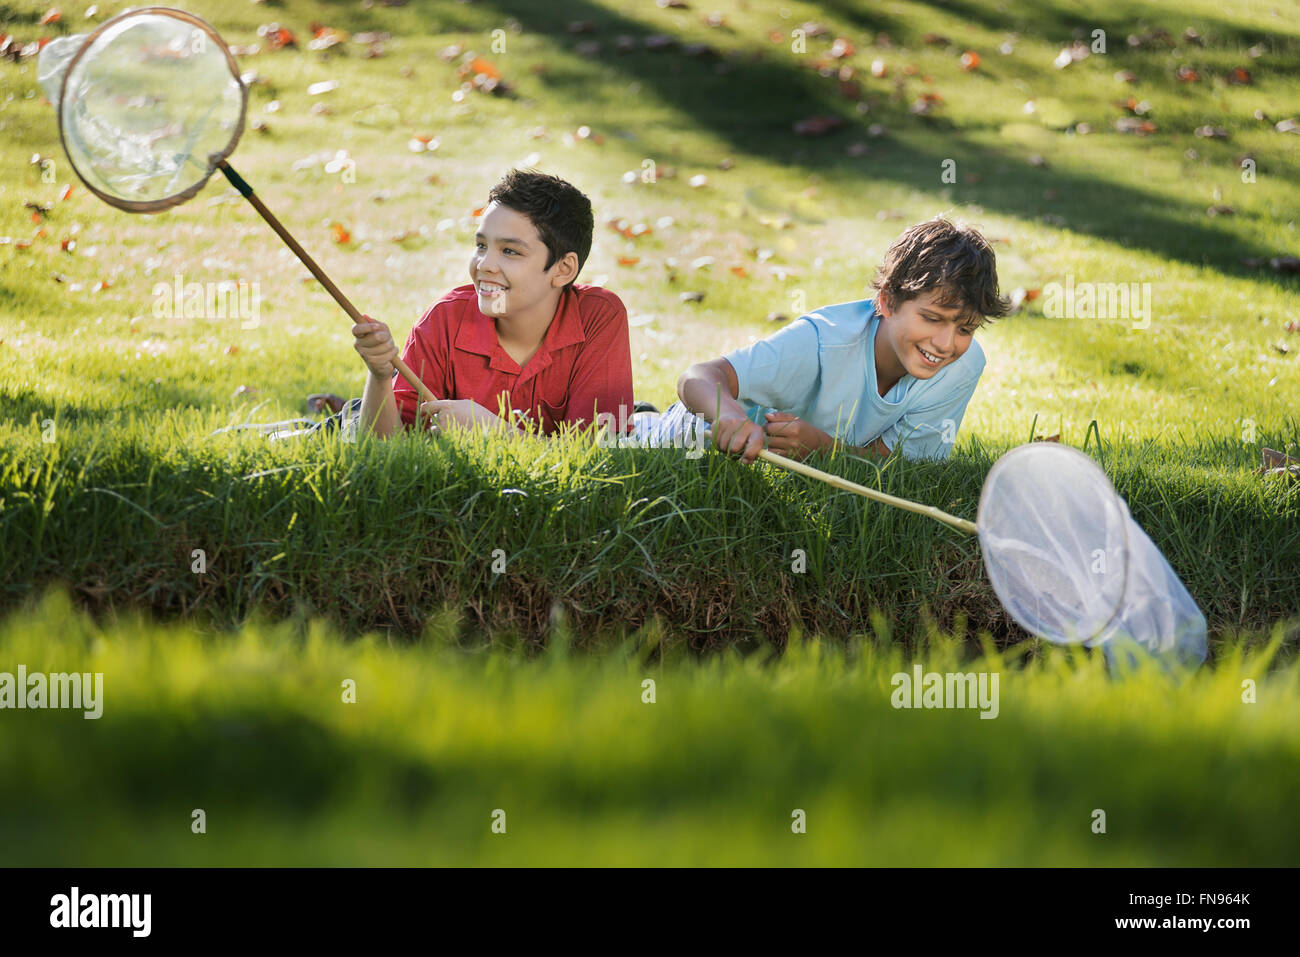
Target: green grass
{"x": 110, "y": 477}
{"x": 381, "y": 534}
{"x": 252, "y": 729}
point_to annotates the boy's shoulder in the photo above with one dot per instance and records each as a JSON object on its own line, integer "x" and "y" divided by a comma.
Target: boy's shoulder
{"x": 597, "y": 302}
{"x": 842, "y": 323}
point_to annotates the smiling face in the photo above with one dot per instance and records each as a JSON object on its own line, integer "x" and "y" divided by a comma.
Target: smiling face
{"x": 920, "y": 336}
{"x": 508, "y": 267}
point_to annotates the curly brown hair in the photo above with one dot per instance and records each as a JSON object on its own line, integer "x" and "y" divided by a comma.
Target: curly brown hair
{"x": 951, "y": 258}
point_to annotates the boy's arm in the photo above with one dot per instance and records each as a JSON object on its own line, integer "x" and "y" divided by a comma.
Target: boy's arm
{"x": 374, "y": 343}
{"x": 378, "y": 407}
{"x": 390, "y": 402}
{"x": 710, "y": 390}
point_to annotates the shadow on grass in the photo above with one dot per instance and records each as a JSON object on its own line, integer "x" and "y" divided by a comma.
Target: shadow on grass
{"x": 753, "y": 100}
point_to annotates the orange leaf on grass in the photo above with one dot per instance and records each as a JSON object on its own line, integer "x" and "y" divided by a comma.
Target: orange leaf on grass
{"x": 340, "y": 234}
{"x": 628, "y": 260}
{"x": 841, "y": 48}
{"x": 65, "y": 192}
{"x": 970, "y": 60}
{"x": 481, "y": 66}
{"x": 740, "y": 271}
{"x": 52, "y": 15}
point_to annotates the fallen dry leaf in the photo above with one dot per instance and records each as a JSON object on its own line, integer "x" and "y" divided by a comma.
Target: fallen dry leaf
{"x": 970, "y": 60}
{"x": 819, "y": 125}
{"x": 1156, "y": 38}
{"x": 1131, "y": 124}
{"x": 340, "y": 234}
{"x": 276, "y": 36}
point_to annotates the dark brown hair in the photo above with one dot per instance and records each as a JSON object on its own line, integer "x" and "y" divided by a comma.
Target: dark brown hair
{"x": 953, "y": 259}
{"x": 558, "y": 209}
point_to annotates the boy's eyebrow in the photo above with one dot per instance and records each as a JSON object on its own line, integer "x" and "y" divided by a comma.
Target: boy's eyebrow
{"x": 507, "y": 239}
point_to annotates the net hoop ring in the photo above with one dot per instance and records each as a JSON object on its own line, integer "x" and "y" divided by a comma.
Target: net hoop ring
{"x": 157, "y": 205}
{"x": 1020, "y": 451}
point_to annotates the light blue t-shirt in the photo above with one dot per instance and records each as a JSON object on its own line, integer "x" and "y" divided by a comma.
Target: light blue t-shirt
{"x": 822, "y": 368}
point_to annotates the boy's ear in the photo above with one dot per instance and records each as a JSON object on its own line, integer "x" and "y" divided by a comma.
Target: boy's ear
{"x": 882, "y": 304}
{"x": 564, "y": 269}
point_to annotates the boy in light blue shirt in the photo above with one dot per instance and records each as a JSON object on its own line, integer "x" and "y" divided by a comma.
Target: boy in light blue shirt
{"x": 893, "y": 373}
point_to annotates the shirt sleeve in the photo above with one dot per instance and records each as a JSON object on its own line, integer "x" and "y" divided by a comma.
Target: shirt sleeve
{"x": 601, "y": 381}
{"x": 420, "y": 355}
{"x": 781, "y": 371}
{"x": 929, "y": 430}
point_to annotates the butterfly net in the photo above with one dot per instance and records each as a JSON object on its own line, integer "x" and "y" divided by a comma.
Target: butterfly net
{"x": 148, "y": 105}
{"x": 1070, "y": 564}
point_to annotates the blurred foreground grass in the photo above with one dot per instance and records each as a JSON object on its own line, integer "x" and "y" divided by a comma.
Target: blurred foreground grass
{"x": 252, "y": 729}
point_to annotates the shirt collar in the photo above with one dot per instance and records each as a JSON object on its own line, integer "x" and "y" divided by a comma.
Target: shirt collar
{"x": 478, "y": 333}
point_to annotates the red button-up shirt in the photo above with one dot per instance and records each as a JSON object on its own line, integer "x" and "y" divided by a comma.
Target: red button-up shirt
{"x": 582, "y": 368}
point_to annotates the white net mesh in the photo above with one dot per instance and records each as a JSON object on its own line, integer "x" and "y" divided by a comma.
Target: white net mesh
{"x": 1069, "y": 563}
{"x": 148, "y": 107}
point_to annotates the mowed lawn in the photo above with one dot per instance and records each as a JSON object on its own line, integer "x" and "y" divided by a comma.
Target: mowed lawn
{"x": 716, "y": 221}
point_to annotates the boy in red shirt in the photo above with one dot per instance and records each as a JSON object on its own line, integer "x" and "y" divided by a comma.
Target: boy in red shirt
{"x": 522, "y": 338}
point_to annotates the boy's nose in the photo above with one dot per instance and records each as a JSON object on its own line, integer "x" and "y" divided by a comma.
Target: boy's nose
{"x": 943, "y": 339}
